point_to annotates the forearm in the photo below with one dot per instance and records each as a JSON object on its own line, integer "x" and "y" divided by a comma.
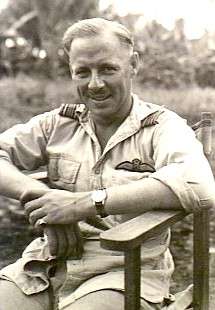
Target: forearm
{"x": 134, "y": 198}
{"x": 140, "y": 196}
{"x": 13, "y": 182}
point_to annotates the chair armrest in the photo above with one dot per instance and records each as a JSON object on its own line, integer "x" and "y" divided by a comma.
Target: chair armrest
{"x": 132, "y": 233}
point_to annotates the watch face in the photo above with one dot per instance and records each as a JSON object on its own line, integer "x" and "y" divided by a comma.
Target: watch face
{"x": 99, "y": 195}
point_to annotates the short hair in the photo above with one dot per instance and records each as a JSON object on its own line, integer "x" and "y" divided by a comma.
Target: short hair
{"x": 96, "y": 26}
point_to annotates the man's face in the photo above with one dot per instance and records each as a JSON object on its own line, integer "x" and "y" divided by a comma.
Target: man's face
{"x": 102, "y": 69}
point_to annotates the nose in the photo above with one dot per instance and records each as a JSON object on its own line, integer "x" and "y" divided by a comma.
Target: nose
{"x": 95, "y": 83}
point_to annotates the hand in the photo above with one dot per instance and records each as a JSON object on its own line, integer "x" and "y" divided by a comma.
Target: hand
{"x": 64, "y": 240}
{"x": 32, "y": 194}
{"x": 60, "y": 207}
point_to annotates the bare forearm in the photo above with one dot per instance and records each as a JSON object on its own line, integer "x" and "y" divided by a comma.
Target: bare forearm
{"x": 134, "y": 199}
{"x": 13, "y": 182}
{"x": 140, "y": 196}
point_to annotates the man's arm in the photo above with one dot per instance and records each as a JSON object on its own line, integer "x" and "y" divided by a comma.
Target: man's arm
{"x": 141, "y": 196}
{"x": 63, "y": 240}
{"x": 24, "y": 146}
{"x": 13, "y": 182}
{"x": 182, "y": 180}
{"x": 134, "y": 198}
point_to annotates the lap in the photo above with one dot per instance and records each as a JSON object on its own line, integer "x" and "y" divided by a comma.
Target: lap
{"x": 12, "y": 298}
{"x": 105, "y": 300}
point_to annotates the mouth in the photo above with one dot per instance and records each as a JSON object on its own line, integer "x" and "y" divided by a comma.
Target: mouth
{"x": 99, "y": 97}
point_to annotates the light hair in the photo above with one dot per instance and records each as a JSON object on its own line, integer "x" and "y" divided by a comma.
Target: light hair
{"x": 96, "y": 26}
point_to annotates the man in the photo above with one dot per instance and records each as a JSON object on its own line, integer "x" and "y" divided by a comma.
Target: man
{"x": 108, "y": 159}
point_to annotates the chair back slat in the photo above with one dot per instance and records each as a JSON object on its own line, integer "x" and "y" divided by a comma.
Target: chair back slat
{"x": 203, "y": 131}
{"x": 201, "y": 228}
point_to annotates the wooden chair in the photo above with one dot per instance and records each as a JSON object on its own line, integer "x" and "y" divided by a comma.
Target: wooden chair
{"x": 129, "y": 236}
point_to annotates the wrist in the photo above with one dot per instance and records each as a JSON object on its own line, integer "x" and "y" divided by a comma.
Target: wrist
{"x": 99, "y": 198}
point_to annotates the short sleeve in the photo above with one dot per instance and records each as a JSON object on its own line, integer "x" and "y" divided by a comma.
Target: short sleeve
{"x": 181, "y": 165}
{"x": 25, "y": 144}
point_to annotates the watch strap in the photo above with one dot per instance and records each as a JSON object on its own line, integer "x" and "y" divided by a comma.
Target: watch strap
{"x": 99, "y": 196}
{"x": 100, "y": 210}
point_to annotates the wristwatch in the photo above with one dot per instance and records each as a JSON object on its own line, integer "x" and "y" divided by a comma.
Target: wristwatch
{"x": 99, "y": 196}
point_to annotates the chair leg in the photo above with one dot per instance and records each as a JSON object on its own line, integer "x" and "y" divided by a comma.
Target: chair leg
{"x": 132, "y": 278}
{"x": 201, "y": 261}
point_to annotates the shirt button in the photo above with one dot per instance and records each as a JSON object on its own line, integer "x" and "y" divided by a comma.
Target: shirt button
{"x": 97, "y": 171}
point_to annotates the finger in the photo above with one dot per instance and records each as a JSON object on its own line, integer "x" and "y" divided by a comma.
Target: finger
{"x": 52, "y": 240}
{"x": 42, "y": 221}
{"x": 51, "y": 215}
{"x": 62, "y": 240}
{"x": 79, "y": 240}
{"x": 77, "y": 243}
{"x": 26, "y": 197}
{"x": 32, "y": 205}
{"x": 71, "y": 239}
{"x": 35, "y": 217}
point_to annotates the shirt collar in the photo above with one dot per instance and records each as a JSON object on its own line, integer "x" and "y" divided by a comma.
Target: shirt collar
{"x": 140, "y": 111}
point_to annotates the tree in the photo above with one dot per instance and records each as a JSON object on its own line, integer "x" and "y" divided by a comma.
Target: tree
{"x": 13, "y": 12}
{"x": 53, "y": 17}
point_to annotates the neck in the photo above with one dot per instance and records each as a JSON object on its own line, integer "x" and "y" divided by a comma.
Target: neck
{"x": 108, "y": 122}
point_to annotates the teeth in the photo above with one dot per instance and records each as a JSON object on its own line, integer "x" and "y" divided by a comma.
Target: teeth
{"x": 99, "y": 98}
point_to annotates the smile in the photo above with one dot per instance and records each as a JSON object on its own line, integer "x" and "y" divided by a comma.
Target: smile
{"x": 99, "y": 97}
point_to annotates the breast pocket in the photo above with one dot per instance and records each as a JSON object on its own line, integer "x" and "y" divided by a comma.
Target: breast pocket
{"x": 63, "y": 171}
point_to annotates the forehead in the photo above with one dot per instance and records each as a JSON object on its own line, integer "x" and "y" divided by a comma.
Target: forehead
{"x": 98, "y": 48}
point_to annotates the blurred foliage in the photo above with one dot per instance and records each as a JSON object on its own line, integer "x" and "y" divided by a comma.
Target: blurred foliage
{"x": 188, "y": 102}
{"x": 50, "y": 20}
{"x": 164, "y": 56}
{"x": 13, "y": 12}
{"x": 164, "y": 61}
{"x": 24, "y": 96}
{"x": 54, "y": 15}
{"x": 205, "y": 70}
{"x": 168, "y": 59}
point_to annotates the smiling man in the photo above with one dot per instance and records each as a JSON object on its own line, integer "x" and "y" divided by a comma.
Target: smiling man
{"x": 109, "y": 158}
{"x": 102, "y": 73}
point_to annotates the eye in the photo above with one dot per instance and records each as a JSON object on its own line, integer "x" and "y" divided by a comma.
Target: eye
{"x": 81, "y": 73}
{"x": 108, "y": 69}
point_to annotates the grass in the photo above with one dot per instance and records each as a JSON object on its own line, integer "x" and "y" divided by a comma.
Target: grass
{"x": 187, "y": 102}
{"x": 24, "y": 96}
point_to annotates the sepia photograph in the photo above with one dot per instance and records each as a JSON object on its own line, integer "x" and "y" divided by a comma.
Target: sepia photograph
{"x": 107, "y": 163}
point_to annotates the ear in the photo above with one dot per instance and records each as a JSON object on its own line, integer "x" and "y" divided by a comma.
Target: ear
{"x": 134, "y": 62}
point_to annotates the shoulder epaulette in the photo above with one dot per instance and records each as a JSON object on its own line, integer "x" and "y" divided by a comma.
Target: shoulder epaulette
{"x": 151, "y": 119}
{"x": 71, "y": 110}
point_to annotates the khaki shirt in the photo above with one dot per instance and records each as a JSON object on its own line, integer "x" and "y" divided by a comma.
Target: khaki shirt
{"x": 70, "y": 149}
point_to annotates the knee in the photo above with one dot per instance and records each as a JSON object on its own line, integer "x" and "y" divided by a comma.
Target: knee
{"x": 12, "y": 298}
{"x": 7, "y": 289}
